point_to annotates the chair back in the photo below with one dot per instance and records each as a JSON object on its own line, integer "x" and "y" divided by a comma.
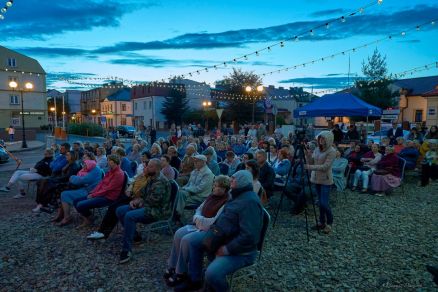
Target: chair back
{"x": 125, "y": 183}
{"x": 176, "y": 173}
{"x": 224, "y": 168}
{"x": 402, "y": 165}
{"x": 174, "y": 188}
{"x": 218, "y": 159}
{"x": 266, "y": 220}
{"x": 134, "y": 166}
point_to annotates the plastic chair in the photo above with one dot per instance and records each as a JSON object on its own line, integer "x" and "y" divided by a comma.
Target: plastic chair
{"x": 402, "y": 164}
{"x": 167, "y": 223}
{"x": 254, "y": 268}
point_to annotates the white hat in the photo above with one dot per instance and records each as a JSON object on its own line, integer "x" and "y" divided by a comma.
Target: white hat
{"x": 200, "y": 157}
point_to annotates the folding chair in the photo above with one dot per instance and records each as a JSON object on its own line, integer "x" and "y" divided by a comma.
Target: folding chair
{"x": 253, "y": 269}
{"x": 164, "y": 224}
{"x": 402, "y": 164}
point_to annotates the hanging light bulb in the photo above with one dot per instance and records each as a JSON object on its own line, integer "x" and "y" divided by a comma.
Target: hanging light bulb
{"x": 343, "y": 19}
{"x": 379, "y": 2}
{"x": 1, "y": 17}
{"x": 282, "y": 44}
{"x": 225, "y": 64}
{"x": 257, "y": 53}
{"x": 327, "y": 25}
{"x": 246, "y": 57}
{"x": 269, "y": 49}
{"x": 417, "y": 28}
{"x": 432, "y": 23}
{"x": 403, "y": 33}
{"x": 361, "y": 10}
{"x": 4, "y": 9}
{"x": 311, "y": 32}
{"x": 9, "y": 3}
{"x": 296, "y": 38}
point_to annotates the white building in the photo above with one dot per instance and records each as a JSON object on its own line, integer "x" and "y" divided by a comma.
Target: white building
{"x": 21, "y": 69}
{"x": 116, "y": 109}
{"x": 147, "y": 111}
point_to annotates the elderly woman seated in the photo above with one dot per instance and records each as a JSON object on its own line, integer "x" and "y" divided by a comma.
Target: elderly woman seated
{"x": 338, "y": 170}
{"x": 387, "y": 174}
{"x": 429, "y": 166}
{"x": 400, "y": 145}
{"x": 370, "y": 160}
{"x": 205, "y": 215}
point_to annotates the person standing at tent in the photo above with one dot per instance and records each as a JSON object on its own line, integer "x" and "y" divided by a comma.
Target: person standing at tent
{"x": 320, "y": 162}
{"x": 394, "y": 133}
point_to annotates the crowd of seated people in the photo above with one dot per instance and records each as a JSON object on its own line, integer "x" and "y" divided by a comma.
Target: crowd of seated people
{"x": 224, "y": 178}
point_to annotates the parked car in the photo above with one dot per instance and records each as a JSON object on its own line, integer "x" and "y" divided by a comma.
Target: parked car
{"x": 4, "y": 157}
{"x": 376, "y": 136}
{"x": 126, "y": 131}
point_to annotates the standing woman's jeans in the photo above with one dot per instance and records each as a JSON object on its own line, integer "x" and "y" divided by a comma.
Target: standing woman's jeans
{"x": 325, "y": 212}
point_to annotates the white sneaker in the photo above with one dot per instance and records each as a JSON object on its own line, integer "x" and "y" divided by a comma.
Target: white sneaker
{"x": 96, "y": 235}
{"x": 18, "y": 196}
{"x": 4, "y": 189}
{"x": 37, "y": 209}
{"x": 380, "y": 194}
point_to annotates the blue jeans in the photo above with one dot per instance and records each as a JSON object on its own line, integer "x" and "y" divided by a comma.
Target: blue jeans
{"x": 70, "y": 196}
{"x": 325, "y": 212}
{"x": 129, "y": 218}
{"x": 217, "y": 271}
{"x": 83, "y": 207}
{"x": 180, "y": 255}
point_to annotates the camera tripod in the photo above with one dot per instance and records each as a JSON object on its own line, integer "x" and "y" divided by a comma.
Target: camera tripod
{"x": 303, "y": 176}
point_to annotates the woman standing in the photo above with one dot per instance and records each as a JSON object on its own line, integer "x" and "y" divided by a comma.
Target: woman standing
{"x": 320, "y": 163}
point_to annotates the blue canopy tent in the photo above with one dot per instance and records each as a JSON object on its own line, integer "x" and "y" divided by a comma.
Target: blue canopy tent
{"x": 338, "y": 105}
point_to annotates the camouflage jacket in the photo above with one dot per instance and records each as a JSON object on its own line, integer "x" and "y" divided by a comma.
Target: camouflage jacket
{"x": 156, "y": 196}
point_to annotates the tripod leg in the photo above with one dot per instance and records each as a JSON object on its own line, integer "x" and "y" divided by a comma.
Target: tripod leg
{"x": 278, "y": 209}
{"x": 307, "y": 224}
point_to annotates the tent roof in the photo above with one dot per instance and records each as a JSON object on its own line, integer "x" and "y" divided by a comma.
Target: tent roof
{"x": 337, "y": 105}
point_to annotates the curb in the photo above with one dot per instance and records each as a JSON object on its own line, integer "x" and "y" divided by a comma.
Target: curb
{"x": 26, "y": 149}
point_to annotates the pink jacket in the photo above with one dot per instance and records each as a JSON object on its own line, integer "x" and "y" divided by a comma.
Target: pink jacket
{"x": 320, "y": 163}
{"x": 111, "y": 185}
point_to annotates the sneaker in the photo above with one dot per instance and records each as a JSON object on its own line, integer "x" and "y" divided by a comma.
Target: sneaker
{"x": 125, "y": 256}
{"x": 96, "y": 235}
{"x": 379, "y": 194}
{"x": 37, "y": 209}
{"x": 4, "y": 189}
{"x": 327, "y": 229}
{"x": 18, "y": 196}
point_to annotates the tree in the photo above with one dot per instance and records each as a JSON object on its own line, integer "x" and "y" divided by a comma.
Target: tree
{"x": 175, "y": 106}
{"x": 375, "y": 88}
{"x": 240, "y": 108}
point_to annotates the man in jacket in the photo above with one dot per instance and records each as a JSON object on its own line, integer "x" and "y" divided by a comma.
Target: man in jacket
{"x": 60, "y": 161}
{"x": 267, "y": 174}
{"x": 394, "y": 133}
{"x": 199, "y": 186}
{"x": 152, "y": 206}
{"x": 39, "y": 171}
{"x": 240, "y": 223}
{"x": 105, "y": 193}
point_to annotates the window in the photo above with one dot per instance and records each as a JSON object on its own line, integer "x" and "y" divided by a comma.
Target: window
{"x": 13, "y": 78}
{"x": 150, "y": 104}
{"x": 14, "y": 99}
{"x": 123, "y": 121}
{"x": 135, "y": 106}
{"x": 418, "y": 116}
{"x": 144, "y": 105}
{"x": 123, "y": 108}
{"x": 12, "y": 62}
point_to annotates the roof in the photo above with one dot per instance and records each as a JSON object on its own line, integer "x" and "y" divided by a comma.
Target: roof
{"x": 433, "y": 92}
{"x": 337, "y": 105}
{"x": 24, "y": 63}
{"x": 121, "y": 95}
{"x": 418, "y": 86}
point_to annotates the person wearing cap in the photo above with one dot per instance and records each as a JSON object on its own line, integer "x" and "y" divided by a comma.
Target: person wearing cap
{"x": 240, "y": 223}
{"x": 198, "y": 187}
{"x": 211, "y": 162}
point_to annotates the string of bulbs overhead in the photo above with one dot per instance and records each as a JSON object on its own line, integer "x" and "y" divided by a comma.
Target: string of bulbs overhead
{"x": 3, "y": 10}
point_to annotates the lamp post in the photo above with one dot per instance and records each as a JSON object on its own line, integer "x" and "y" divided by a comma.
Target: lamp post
{"x": 93, "y": 112}
{"x": 27, "y": 87}
{"x": 259, "y": 89}
{"x": 206, "y": 105}
{"x": 53, "y": 110}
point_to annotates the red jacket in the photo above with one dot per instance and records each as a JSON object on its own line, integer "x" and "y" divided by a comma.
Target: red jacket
{"x": 111, "y": 185}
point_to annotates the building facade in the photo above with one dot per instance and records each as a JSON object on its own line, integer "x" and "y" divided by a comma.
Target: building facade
{"x": 91, "y": 99}
{"x": 116, "y": 109}
{"x": 147, "y": 102}
{"x": 22, "y": 69}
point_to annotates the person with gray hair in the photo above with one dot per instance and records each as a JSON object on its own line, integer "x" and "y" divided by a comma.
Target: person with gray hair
{"x": 152, "y": 206}
{"x": 240, "y": 225}
{"x": 198, "y": 186}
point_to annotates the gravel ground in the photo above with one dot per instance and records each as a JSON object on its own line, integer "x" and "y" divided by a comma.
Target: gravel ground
{"x": 377, "y": 243}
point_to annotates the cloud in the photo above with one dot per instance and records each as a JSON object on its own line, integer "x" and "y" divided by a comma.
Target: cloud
{"x": 360, "y": 25}
{"x": 323, "y": 82}
{"x": 327, "y": 12}
{"x": 52, "y": 52}
{"x": 35, "y": 19}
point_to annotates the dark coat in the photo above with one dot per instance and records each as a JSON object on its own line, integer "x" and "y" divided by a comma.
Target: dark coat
{"x": 392, "y": 138}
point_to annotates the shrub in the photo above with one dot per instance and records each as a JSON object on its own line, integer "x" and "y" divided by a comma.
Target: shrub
{"x": 85, "y": 129}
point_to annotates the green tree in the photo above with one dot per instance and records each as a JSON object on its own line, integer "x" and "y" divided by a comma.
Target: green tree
{"x": 375, "y": 87}
{"x": 240, "y": 109}
{"x": 175, "y": 106}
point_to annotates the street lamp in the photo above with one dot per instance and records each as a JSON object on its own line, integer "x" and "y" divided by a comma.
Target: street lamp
{"x": 53, "y": 110}
{"x": 206, "y": 105}
{"x": 27, "y": 87}
{"x": 259, "y": 89}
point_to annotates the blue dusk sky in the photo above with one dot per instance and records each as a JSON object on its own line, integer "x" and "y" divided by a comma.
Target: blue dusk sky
{"x": 151, "y": 40}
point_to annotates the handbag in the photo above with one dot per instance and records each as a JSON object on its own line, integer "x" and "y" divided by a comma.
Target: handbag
{"x": 213, "y": 239}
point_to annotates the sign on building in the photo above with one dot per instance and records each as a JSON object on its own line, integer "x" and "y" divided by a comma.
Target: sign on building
{"x": 15, "y": 122}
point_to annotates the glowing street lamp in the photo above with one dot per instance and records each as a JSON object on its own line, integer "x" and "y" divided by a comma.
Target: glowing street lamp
{"x": 28, "y": 86}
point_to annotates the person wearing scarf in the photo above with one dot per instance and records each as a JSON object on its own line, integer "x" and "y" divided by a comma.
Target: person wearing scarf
{"x": 204, "y": 216}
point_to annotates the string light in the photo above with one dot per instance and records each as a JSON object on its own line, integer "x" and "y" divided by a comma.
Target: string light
{"x": 296, "y": 38}
{"x": 353, "y": 50}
